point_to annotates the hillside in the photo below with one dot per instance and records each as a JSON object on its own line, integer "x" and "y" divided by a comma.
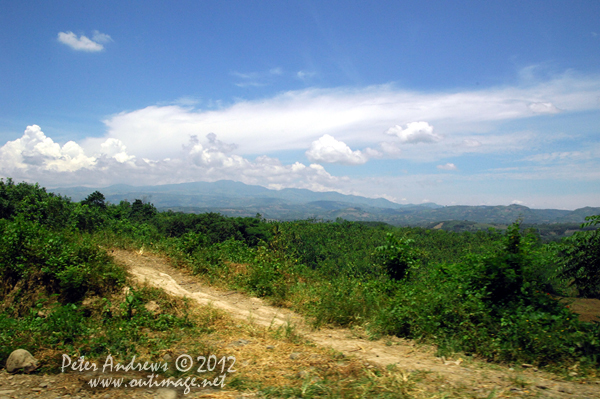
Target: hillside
{"x": 238, "y": 199}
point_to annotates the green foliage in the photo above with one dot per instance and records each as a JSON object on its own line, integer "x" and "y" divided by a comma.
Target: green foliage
{"x": 95, "y": 199}
{"x": 97, "y": 328}
{"x": 397, "y": 256}
{"x": 65, "y": 264}
{"x": 500, "y": 275}
{"x": 33, "y": 203}
{"x": 581, "y": 260}
{"x": 478, "y": 292}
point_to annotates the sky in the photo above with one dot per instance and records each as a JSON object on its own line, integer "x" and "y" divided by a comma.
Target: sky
{"x": 452, "y": 102}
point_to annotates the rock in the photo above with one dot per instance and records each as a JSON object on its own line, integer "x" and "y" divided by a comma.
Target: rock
{"x": 167, "y": 357}
{"x": 152, "y": 307}
{"x": 240, "y": 342}
{"x": 295, "y": 355}
{"x": 21, "y": 359}
{"x": 270, "y": 347}
{"x": 165, "y": 393}
{"x": 526, "y": 366}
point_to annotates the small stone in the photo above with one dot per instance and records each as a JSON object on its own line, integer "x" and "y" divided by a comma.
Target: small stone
{"x": 270, "y": 347}
{"x": 295, "y": 355}
{"x": 36, "y": 389}
{"x": 240, "y": 342}
{"x": 541, "y": 386}
{"x": 527, "y": 366}
{"x": 21, "y": 359}
{"x": 167, "y": 357}
{"x": 572, "y": 374}
{"x": 511, "y": 369}
{"x": 564, "y": 390}
{"x": 152, "y": 307}
{"x": 44, "y": 385}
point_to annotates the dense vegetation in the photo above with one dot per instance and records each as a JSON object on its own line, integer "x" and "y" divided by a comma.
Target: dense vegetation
{"x": 485, "y": 293}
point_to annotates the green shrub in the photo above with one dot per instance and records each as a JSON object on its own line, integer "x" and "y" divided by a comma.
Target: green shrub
{"x": 580, "y": 265}
{"x": 66, "y": 264}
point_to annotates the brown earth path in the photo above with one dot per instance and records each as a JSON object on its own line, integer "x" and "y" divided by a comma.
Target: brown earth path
{"x": 463, "y": 379}
{"x": 405, "y": 354}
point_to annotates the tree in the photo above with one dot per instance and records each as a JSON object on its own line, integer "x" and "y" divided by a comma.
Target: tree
{"x": 397, "y": 256}
{"x": 580, "y": 264}
{"x": 95, "y": 199}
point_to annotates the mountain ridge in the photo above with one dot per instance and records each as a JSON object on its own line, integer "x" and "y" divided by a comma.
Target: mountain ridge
{"x": 239, "y": 199}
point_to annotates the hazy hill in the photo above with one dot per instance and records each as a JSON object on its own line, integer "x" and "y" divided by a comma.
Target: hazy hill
{"x": 239, "y": 199}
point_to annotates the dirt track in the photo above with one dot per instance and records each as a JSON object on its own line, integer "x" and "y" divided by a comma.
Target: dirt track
{"x": 405, "y": 354}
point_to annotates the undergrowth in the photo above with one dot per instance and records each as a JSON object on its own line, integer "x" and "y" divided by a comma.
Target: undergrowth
{"x": 483, "y": 293}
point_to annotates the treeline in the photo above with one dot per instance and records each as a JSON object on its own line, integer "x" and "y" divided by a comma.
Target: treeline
{"x": 486, "y": 293}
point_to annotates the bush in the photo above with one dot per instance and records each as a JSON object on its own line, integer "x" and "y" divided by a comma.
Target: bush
{"x": 581, "y": 260}
{"x": 64, "y": 263}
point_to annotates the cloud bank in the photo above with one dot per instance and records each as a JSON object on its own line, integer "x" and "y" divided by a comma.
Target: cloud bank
{"x": 448, "y": 122}
{"x": 243, "y": 141}
{"x": 36, "y": 157}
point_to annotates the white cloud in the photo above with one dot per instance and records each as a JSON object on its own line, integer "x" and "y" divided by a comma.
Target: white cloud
{"x": 34, "y": 148}
{"x": 293, "y": 120}
{"x": 305, "y": 75}
{"x": 561, "y": 156}
{"x": 83, "y": 43}
{"x": 114, "y": 148}
{"x": 35, "y": 157}
{"x": 328, "y": 149}
{"x": 415, "y": 132}
{"x": 543, "y": 108}
{"x": 448, "y": 166}
{"x": 390, "y": 149}
{"x": 257, "y": 79}
{"x": 101, "y": 37}
{"x": 472, "y": 143}
{"x": 517, "y": 202}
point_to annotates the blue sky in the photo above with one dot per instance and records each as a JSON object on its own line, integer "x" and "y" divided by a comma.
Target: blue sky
{"x": 462, "y": 102}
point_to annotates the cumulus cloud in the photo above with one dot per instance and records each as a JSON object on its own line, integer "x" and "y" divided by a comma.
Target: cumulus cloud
{"x": 83, "y": 43}
{"x": 543, "y": 108}
{"x": 115, "y": 149}
{"x": 36, "y": 157}
{"x": 328, "y": 149}
{"x": 415, "y": 132}
{"x": 35, "y": 149}
{"x": 448, "y": 166}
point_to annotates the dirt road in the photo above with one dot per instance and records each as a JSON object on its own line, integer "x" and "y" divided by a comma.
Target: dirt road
{"x": 157, "y": 271}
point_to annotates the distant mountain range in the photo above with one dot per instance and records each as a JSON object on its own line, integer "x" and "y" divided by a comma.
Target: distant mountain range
{"x": 239, "y": 199}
